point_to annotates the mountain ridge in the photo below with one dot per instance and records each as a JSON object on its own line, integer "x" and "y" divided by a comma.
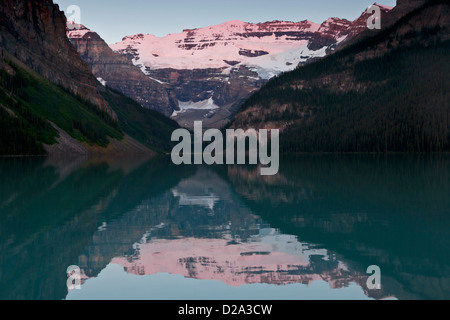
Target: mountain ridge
{"x": 385, "y": 92}
{"x": 33, "y": 32}
{"x": 208, "y": 72}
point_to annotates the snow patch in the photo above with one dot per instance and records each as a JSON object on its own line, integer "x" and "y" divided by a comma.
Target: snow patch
{"x": 103, "y": 82}
{"x": 207, "y": 104}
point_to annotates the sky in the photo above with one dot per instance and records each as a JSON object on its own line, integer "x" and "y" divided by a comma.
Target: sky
{"x": 115, "y": 19}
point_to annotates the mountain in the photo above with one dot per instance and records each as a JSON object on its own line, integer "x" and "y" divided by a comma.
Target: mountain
{"x": 50, "y": 102}
{"x": 34, "y": 33}
{"x": 362, "y": 207}
{"x": 117, "y": 71}
{"x": 387, "y": 90}
{"x": 209, "y": 72}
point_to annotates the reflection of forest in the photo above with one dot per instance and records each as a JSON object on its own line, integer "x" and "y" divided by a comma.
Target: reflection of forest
{"x": 357, "y": 210}
{"x": 390, "y": 211}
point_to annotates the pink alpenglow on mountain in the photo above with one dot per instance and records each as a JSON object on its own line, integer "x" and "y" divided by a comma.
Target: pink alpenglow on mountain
{"x": 235, "y": 265}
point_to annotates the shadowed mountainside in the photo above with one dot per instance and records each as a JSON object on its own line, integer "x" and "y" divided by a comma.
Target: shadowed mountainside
{"x": 388, "y": 91}
{"x": 50, "y": 102}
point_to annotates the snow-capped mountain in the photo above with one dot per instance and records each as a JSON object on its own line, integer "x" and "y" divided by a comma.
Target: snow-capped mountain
{"x": 269, "y": 47}
{"x": 210, "y": 71}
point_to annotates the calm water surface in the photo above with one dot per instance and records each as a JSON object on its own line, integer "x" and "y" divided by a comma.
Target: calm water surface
{"x": 145, "y": 229}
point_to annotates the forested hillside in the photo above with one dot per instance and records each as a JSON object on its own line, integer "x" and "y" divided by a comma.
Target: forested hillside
{"x": 387, "y": 92}
{"x": 29, "y": 104}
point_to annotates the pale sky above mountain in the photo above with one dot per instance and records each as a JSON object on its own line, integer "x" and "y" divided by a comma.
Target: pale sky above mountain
{"x": 114, "y": 19}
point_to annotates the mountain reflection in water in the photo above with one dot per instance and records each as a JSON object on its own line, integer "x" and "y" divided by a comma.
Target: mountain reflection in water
{"x": 322, "y": 219}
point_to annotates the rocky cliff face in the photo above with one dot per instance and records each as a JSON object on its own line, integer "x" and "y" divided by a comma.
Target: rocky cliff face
{"x": 34, "y": 33}
{"x": 355, "y": 98}
{"x": 118, "y": 72}
{"x": 402, "y": 8}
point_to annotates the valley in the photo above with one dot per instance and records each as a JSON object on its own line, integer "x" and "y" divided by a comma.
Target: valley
{"x": 225, "y": 63}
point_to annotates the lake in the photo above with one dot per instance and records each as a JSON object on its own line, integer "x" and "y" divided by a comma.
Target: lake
{"x": 147, "y": 229}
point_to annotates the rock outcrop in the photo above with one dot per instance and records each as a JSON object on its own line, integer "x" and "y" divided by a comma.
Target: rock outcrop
{"x": 384, "y": 91}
